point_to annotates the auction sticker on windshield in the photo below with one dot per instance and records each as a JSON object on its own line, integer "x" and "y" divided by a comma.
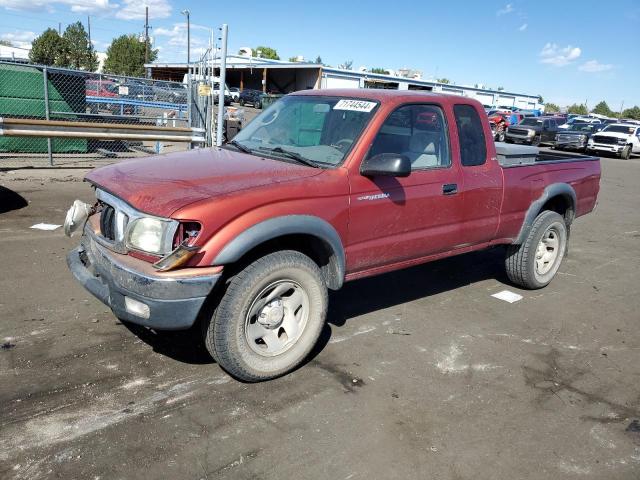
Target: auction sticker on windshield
{"x": 355, "y": 105}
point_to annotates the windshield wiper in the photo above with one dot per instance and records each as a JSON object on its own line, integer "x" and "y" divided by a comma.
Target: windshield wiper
{"x": 239, "y": 146}
{"x": 293, "y": 155}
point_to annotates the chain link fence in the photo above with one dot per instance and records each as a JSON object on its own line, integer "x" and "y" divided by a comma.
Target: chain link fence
{"x": 49, "y": 93}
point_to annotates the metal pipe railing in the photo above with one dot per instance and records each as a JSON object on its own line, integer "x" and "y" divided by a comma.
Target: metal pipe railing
{"x": 25, "y": 127}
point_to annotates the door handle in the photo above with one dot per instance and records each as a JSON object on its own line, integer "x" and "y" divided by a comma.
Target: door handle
{"x": 449, "y": 188}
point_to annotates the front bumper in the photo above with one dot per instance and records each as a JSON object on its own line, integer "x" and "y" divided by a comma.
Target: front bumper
{"x": 606, "y": 148}
{"x": 577, "y": 144}
{"x": 527, "y": 139}
{"x": 174, "y": 298}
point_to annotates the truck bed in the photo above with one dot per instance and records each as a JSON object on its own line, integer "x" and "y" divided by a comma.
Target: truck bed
{"x": 512, "y": 155}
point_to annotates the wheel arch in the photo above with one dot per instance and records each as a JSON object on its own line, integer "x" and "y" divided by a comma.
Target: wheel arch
{"x": 557, "y": 197}
{"x": 308, "y": 234}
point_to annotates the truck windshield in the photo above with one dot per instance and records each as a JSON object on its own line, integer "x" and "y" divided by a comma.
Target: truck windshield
{"x": 531, "y": 121}
{"x": 620, "y": 129}
{"x": 316, "y": 128}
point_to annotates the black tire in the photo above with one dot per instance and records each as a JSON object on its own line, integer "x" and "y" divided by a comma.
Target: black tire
{"x": 258, "y": 104}
{"x": 501, "y": 136}
{"x": 226, "y": 332}
{"x": 241, "y": 102}
{"x": 536, "y": 141}
{"x": 626, "y": 153}
{"x": 520, "y": 261}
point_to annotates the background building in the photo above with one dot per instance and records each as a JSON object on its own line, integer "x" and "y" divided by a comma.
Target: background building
{"x": 276, "y": 76}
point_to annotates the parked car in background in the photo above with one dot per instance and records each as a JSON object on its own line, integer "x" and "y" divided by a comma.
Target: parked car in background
{"x": 619, "y": 138}
{"x": 235, "y": 93}
{"x": 134, "y": 90}
{"x": 576, "y": 137}
{"x": 103, "y": 95}
{"x": 533, "y": 131}
{"x": 252, "y": 97}
{"x": 581, "y": 119}
{"x": 170, "y": 92}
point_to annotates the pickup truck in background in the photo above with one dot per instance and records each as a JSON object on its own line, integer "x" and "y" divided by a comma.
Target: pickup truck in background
{"x": 534, "y": 131}
{"x": 619, "y": 138}
{"x": 577, "y": 137}
{"x": 323, "y": 187}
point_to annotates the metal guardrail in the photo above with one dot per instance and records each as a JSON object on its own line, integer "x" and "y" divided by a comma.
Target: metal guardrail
{"x": 24, "y": 127}
{"x": 180, "y": 107}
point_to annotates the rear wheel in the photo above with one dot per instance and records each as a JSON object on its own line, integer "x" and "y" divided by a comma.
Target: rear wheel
{"x": 535, "y": 262}
{"x": 269, "y": 318}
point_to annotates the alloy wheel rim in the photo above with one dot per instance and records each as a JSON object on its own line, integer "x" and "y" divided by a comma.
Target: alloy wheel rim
{"x": 277, "y": 318}
{"x": 547, "y": 251}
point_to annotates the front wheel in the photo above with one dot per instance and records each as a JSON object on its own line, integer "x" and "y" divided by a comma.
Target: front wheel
{"x": 535, "y": 262}
{"x": 269, "y": 318}
{"x": 626, "y": 153}
{"x": 535, "y": 141}
{"x": 501, "y": 136}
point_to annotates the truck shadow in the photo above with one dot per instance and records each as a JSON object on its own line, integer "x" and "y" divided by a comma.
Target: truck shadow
{"x": 353, "y": 300}
{"x": 10, "y": 200}
{"x": 383, "y": 291}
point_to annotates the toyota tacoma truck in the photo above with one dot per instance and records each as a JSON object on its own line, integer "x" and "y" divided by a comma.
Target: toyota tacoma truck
{"x": 323, "y": 187}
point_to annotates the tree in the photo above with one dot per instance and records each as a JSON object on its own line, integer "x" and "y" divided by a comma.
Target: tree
{"x": 319, "y": 60}
{"x": 76, "y": 49}
{"x": 578, "y": 109}
{"x": 293, "y": 59}
{"x": 125, "y": 56}
{"x": 602, "y": 109}
{"x": 551, "y": 107}
{"x": 266, "y": 52}
{"x": 540, "y": 99}
{"x": 379, "y": 70}
{"x": 46, "y": 48}
{"x": 446, "y": 81}
{"x": 5, "y": 43}
{"x": 347, "y": 65}
{"x": 633, "y": 113}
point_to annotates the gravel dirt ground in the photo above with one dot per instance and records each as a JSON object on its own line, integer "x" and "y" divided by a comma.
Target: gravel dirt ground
{"x": 419, "y": 374}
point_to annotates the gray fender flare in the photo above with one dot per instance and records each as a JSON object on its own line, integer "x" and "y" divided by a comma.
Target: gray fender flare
{"x": 554, "y": 190}
{"x": 276, "y": 227}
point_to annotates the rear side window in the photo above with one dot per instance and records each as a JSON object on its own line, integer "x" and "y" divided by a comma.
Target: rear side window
{"x": 418, "y": 132}
{"x": 473, "y": 146}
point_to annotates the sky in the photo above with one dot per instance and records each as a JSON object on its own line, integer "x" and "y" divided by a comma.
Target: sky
{"x": 568, "y": 52}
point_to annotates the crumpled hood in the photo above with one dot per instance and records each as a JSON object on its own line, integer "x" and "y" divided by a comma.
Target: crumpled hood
{"x": 160, "y": 185}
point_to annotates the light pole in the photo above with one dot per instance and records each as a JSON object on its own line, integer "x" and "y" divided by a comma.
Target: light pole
{"x": 187, "y": 14}
{"x": 189, "y": 86}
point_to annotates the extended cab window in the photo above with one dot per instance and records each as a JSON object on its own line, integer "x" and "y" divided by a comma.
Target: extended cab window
{"x": 418, "y": 132}
{"x": 473, "y": 146}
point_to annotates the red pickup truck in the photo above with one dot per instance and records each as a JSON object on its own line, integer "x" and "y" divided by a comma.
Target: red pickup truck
{"x": 321, "y": 188}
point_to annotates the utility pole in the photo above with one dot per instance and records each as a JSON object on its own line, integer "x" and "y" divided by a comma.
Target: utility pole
{"x": 146, "y": 35}
{"x": 59, "y": 28}
{"x": 621, "y": 108}
{"x": 89, "y": 29}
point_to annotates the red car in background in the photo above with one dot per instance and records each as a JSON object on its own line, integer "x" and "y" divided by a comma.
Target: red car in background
{"x": 105, "y": 89}
{"x": 502, "y": 121}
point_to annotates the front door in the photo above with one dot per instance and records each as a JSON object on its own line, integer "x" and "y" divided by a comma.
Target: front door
{"x": 397, "y": 219}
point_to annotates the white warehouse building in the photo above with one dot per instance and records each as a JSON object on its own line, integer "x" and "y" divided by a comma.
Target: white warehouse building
{"x": 276, "y": 76}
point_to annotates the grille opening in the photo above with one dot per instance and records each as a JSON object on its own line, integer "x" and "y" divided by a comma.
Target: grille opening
{"x": 186, "y": 230}
{"x": 108, "y": 222}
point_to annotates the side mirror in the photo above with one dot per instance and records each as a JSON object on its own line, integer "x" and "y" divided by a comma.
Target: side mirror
{"x": 386, "y": 165}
